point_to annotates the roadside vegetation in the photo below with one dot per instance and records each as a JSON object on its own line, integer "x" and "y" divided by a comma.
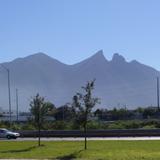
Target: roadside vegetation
{"x": 94, "y": 124}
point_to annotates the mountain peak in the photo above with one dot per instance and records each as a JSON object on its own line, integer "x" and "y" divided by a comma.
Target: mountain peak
{"x": 97, "y": 58}
{"x": 39, "y": 54}
{"x": 118, "y": 58}
{"x": 99, "y": 54}
{"x": 38, "y": 57}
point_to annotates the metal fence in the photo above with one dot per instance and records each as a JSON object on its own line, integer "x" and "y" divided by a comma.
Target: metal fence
{"x": 94, "y": 133}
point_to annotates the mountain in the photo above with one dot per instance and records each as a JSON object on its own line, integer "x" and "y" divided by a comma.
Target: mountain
{"x": 118, "y": 83}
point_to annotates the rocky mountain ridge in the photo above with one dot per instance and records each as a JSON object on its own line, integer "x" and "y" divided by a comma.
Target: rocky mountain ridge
{"x": 118, "y": 82}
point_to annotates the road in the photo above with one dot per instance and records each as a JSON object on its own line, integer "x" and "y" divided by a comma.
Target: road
{"x": 81, "y": 139}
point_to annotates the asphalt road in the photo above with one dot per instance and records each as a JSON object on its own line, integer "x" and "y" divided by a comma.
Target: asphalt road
{"x": 81, "y": 139}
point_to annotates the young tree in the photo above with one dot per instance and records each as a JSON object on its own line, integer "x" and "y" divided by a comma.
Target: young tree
{"x": 82, "y": 105}
{"x": 39, "y": 109}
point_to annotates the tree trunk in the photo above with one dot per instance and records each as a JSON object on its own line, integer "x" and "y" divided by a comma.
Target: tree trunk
{"x": 39, "y": 127}
{"x": 85, "y": 136}
{"x": 39, "y": 135}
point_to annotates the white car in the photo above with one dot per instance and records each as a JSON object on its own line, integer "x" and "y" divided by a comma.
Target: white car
{"x": 5, "y": 133}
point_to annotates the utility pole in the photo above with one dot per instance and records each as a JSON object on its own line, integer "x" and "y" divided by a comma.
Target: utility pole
{"x": 17, "y": 105}
{"x": 158, "y": 93}
{"x": 9, "y": 92}
{"x": 9, "y": 95}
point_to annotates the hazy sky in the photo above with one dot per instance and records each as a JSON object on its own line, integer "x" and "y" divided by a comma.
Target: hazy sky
{"x": 72, "y": 30}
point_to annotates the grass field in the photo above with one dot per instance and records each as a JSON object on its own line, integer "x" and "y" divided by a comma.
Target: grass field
{"x": 98, "y": 150}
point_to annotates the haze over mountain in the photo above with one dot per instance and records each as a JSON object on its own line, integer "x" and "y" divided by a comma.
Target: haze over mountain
{"x": 118, "y": 83}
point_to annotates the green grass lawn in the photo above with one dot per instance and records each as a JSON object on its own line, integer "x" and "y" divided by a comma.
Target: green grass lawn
{"x": 98, "y": 150}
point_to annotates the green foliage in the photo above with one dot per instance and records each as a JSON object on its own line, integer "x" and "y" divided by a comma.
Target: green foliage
{"x": 149, "y": 127}
{"x": 59, "y": 125}
{"x": 149, "y": 112}
{"x": 39, "y": 110}
{"x": 28, "y": 126}
{"x": 4, "y": 124}
{"x": 94, "y": 125}
{"x": 83, "y": 104}
{"x": 115, "y": 126}
{"x": 15, "y": 126}
{"x": 63, "y": 113}
{"x": 72, "y": 125}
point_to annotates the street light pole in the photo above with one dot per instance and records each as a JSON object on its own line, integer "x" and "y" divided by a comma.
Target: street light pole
{"x": 9, "y": 92}
{"x": 17, "y": 104}
{"x": 158, "y": 93}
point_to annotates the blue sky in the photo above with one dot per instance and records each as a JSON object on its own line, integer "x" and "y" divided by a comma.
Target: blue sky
{"x": 72, "y": 30}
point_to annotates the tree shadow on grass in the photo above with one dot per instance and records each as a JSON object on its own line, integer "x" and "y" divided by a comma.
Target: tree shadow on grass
{"x": 70, "y": 156}
{"x": 21, "y": 150}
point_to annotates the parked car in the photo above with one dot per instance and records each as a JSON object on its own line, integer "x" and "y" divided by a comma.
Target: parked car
{"x": 5, "y": 133}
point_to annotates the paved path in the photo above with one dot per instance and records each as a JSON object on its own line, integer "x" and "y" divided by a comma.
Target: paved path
{"x": 81, "y": 139}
